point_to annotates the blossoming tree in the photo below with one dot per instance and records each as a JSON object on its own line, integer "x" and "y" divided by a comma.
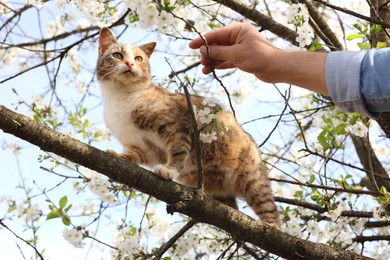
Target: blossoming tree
{"x": 328, "y": 168}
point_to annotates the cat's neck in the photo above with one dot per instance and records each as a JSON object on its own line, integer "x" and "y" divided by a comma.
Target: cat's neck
{"x": 114, "y": 90}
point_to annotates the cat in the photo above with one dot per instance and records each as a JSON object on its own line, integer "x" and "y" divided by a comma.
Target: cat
{"x": 155, "y": 128}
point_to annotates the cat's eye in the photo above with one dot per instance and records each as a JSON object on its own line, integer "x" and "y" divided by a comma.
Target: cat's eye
{"x": 117, "y": 55}
{"x": 138, "y": 59}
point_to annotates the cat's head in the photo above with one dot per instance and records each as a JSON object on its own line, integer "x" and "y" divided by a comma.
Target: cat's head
{"x": 123, "y": 64}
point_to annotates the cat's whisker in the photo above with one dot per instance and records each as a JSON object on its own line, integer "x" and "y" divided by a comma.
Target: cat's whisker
{"x": 108, "y": 73}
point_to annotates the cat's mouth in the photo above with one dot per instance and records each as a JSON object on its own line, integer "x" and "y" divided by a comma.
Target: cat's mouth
{"x": 128, "y": 71}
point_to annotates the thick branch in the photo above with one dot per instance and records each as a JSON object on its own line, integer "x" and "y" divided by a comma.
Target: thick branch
{"x": 262, "y": 20}
{"x": 375, "y": 171}
{"x": 323, "y": 26}
{"x": 180, "y": 198}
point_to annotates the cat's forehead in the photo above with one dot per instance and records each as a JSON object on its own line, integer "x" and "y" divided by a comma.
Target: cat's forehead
{"x": 126, "y": 48}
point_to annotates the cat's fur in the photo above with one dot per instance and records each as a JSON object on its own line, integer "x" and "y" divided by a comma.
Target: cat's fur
{"x": 155, "y": 129}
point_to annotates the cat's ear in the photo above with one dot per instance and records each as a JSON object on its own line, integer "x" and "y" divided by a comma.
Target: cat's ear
{"x": 105, "y": 39}
{"x": 148, "y": 48}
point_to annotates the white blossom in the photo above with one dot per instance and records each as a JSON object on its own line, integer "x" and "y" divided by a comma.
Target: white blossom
{"x": 206, "y": 115}
{"x": 208, "y": 137}
{"x": 103, "y": 134}
{"x": 15, "y": 148}
{"x": 313, "y": 228}
{"x": 99, "y": 186}
{"x": 335, "y": 213}
{"x": 5, "y": 9}
{"x": 358, "y": 129}
{"x": 55, "y": 27}
{"x": 133, "y": 4}
{"x": 74, "y": 236}
{"x": 297, "y": 14}
{"x": 148, "y": 17}
{"x": 30, "y": 212}
{"x": 88, "y": 207}
{"x": 83, "y": 23}
{"x": 292, "y": 227}
{"x": 305, "y": 35}
{"x": 77, "y": 187}
{"x": 37, "y": 3}
{"x": 211, "y": 101}
{"x": 126, "y": 242}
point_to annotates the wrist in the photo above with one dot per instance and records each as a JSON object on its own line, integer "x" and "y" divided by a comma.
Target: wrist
{"x": 304, "y": 69}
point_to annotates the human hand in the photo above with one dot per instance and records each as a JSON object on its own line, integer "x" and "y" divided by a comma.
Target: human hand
{"x": 240, "y": 46}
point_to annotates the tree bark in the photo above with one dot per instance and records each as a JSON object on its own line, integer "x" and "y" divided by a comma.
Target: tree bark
{"x": 179, "y": 198}
{"x": 260, "y": 19}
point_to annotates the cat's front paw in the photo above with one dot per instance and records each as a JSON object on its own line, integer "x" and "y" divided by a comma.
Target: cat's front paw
{"x": 112, "y": 152}
{"x": 165, "y": 172}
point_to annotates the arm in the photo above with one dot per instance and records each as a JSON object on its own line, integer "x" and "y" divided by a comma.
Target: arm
{"x": 242, "y": 46}
{"x": 357, "y": 81}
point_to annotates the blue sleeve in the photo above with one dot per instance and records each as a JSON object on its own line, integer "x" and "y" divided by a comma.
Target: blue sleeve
{"x": 375, "y": 80}
{"x": 359, "y": 81}
{"x": 342, "y": 70}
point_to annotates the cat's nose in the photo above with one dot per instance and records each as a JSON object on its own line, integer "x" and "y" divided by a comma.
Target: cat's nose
{"x": 129, "y": 63}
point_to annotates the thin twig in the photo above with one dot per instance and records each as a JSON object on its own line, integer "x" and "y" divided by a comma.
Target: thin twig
{"x": 197, "y": 144}
{"x": 280, "y": 117}
{"x": 167, "y": 245}
{"x": 358, "y": 15}
{"x": 341, "y": 190}
{"x": 20, "y": 238}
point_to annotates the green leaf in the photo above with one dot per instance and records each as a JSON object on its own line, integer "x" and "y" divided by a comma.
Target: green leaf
{"x": 376, "y": 28}
{"x": 358, "y": 27}
{"x": 66, "y": 220}
{"x": 323, "y": 140}
{"x": 63, "y": 202}
{"x": 315, "y": 46}
{"x": 312, "y": 178}
{"x": 53, "y": 214}
{"x": 67, "y": 208}
{"x": 380, "y": 45}
{"x": 364, "y": 46}
{"x": 354, "y": 36}
{"x": 298, "y": 194}
{"x": 340, "y": 129}
{"x": 133, "y": 194}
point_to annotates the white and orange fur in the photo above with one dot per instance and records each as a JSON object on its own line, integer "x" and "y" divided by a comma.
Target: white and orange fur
{"x": 155, "y": 129}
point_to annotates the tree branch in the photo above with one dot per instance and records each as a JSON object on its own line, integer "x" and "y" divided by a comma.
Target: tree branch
{"x": 191, "y": 202}
{"x": 323, "y": 26}
{"x": 374, "y": 168}
{"x": 358, "y": 15}
{"x": 262, "y": 20}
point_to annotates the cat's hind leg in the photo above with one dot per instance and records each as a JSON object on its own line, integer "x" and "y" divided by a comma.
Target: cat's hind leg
{"x": 255, "y": 188}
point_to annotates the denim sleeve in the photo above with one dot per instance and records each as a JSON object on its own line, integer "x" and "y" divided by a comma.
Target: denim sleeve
{"x": 375, "y": 80}
{"x": 343, "y": 77}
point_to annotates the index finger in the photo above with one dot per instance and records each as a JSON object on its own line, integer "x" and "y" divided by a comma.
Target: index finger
{"x": 220, "y": 36}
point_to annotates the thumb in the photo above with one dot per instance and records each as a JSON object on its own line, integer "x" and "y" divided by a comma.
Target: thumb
{"x": 217, "y": 52}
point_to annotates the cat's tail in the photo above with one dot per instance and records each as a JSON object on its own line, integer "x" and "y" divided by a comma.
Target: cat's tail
{"x": 255, "y": 188}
